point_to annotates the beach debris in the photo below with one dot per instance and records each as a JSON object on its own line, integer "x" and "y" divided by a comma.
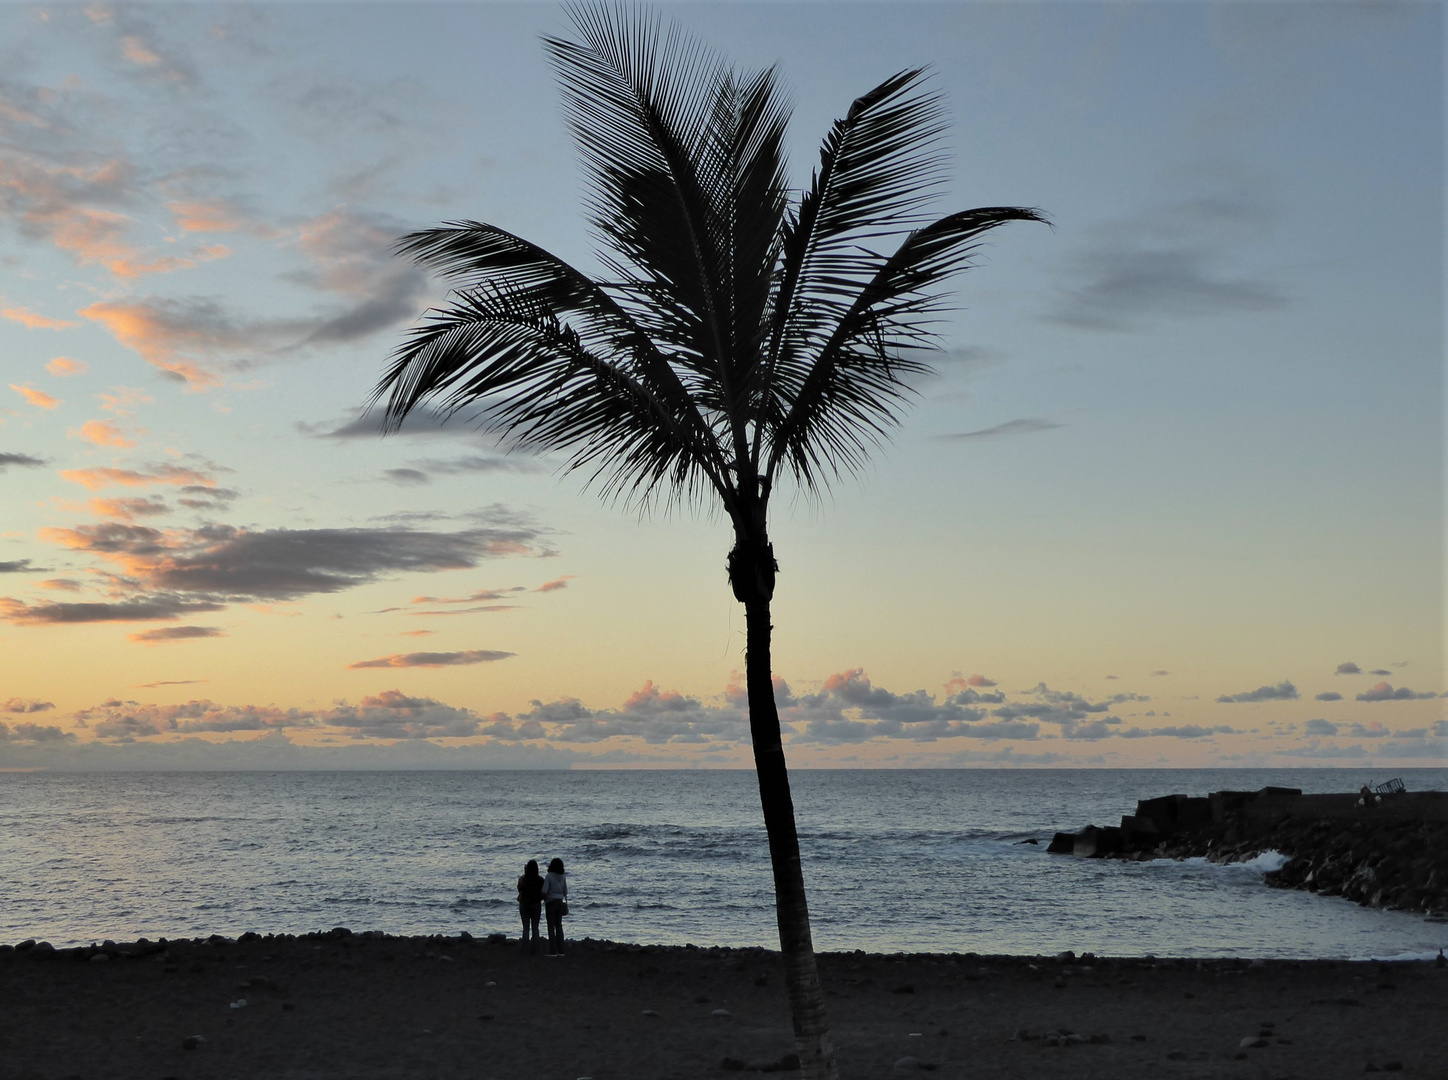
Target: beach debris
{"x": 721, "y": 1013}
{"x": 191, "y": 1042}
{"x": 1252, "y": 1042}
{"x": 650, "y": 1012}
{"x": 490, "y": 982}
{"x": 239, "y": 1003}
{"x": 100, "y": 956}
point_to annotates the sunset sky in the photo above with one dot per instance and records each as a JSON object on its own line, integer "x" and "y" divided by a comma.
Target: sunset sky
{"x": 1175, "y": 498}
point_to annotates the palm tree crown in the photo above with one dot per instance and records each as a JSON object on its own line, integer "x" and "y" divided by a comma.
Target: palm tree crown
{"x": 744, "y": 333}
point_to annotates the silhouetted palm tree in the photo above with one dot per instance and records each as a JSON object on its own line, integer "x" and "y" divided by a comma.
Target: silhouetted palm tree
{"x": 745, "y": 333}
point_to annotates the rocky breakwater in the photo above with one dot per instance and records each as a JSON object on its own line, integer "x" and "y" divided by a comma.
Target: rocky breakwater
{"x": 1391, "y": 853}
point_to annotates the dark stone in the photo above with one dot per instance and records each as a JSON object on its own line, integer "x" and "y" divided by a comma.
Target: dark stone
{"x": 787, "y": 1063}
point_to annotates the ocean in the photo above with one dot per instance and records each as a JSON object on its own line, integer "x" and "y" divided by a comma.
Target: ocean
{"x": 895, "y": 860}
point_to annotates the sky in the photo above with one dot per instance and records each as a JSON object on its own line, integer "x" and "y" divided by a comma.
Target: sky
{"x": 1174, "y": 497}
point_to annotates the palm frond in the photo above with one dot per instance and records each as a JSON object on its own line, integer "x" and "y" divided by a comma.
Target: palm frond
{"x": 878, "y": 166}
{"x": 851, "y": 392}
{"x": 504, "y": 354}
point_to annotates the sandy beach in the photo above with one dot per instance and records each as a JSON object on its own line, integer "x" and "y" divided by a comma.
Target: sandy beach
{"x": 364, "y": 1006}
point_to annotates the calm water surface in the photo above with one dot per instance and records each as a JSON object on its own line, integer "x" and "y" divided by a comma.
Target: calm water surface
{"x": 894, "y": 860}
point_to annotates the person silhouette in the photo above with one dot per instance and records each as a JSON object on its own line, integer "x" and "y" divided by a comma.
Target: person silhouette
{"x": 530, "y": 905}
{"x": 555, "y": 903}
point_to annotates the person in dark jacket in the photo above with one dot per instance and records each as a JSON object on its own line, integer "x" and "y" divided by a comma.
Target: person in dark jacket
{"x": 555, "y": 901}
{"x": 530, "y": 904}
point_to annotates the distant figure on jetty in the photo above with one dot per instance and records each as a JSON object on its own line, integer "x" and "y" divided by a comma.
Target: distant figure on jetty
{"x": 555, "y": 901}
{"x": 530, "y": 904}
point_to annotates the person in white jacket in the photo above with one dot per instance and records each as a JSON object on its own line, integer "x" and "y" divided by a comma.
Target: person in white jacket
{"x": 555, "y": 905}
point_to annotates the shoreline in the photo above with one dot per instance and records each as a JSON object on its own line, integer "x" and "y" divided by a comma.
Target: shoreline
{"x": 370, "y": 1005}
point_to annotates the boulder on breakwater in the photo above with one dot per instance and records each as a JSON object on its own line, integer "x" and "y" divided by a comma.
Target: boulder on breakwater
{"x": 1391, "y": 853}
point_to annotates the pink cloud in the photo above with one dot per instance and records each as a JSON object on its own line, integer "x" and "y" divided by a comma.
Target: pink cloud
{"x": 99, "y": 477}
{"x": 63, "y": 366}
{"x": 138, "y": 52}
{"x": 956, "y": 684}
{"x": 163, "y": 337}
{"x": 206, "y": 216}
{"x": 555, "y": 584}
{"x": 103, "y": 433}
{"x": 33, "y": 321}
{"x": 127, "y": 509}
{"x": 122, "y": 400}
{"x": 39, "y": 398}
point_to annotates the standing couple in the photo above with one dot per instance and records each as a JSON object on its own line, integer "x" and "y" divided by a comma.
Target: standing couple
{"x": 536, "y": 894}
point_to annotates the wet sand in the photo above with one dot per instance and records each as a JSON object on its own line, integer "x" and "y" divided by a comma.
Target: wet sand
{"x": 371, "y": 1007}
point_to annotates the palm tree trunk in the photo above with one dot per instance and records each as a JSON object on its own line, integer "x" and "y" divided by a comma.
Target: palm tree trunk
{"x": 801, "y": 976}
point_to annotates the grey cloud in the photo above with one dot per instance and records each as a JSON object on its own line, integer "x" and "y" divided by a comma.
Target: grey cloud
{"x": 1283, "y": 691}
{"x": 1170, "y": 263}
{"x": 196, "y": 497}
{"x": 1374, "y": 730}
{"x": 1025, "y": 425}
{"x": 1326, "y": 752}
{"x": 33, "y": 733}
{"x": 283, "y": 564}
{"x": 151, "y": 608}
{"x": 25, "y": 705}
{"x": 434, "y": 659}
{"x": 352, "y": 256}
{"x": 175, "y": 633}
{"x": 395, "y": 715}
{"x": 1347, "y": 667}
{"x": 407, "y": 477}
{"x": 1091, "y": 730}
{"x": 1064, "y": 708}
{"x": 24, "y": 461}
{"x": 18, "y": 566}
{"x": 1184, "y": 731}
{"x": 1380, "y": 671}
{"x": 478, "y": 463}
{"x": 273, "y": 751}
{"x": 424, "y": 420}
{"x": 1328, "y": 695}
{"x": 124, "y": 721}
{"x": 1319, "y": 726}
{"x": 654, "y": 715}
{"x": 506, "y": 730}
{"x": 1384, "y": 692}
